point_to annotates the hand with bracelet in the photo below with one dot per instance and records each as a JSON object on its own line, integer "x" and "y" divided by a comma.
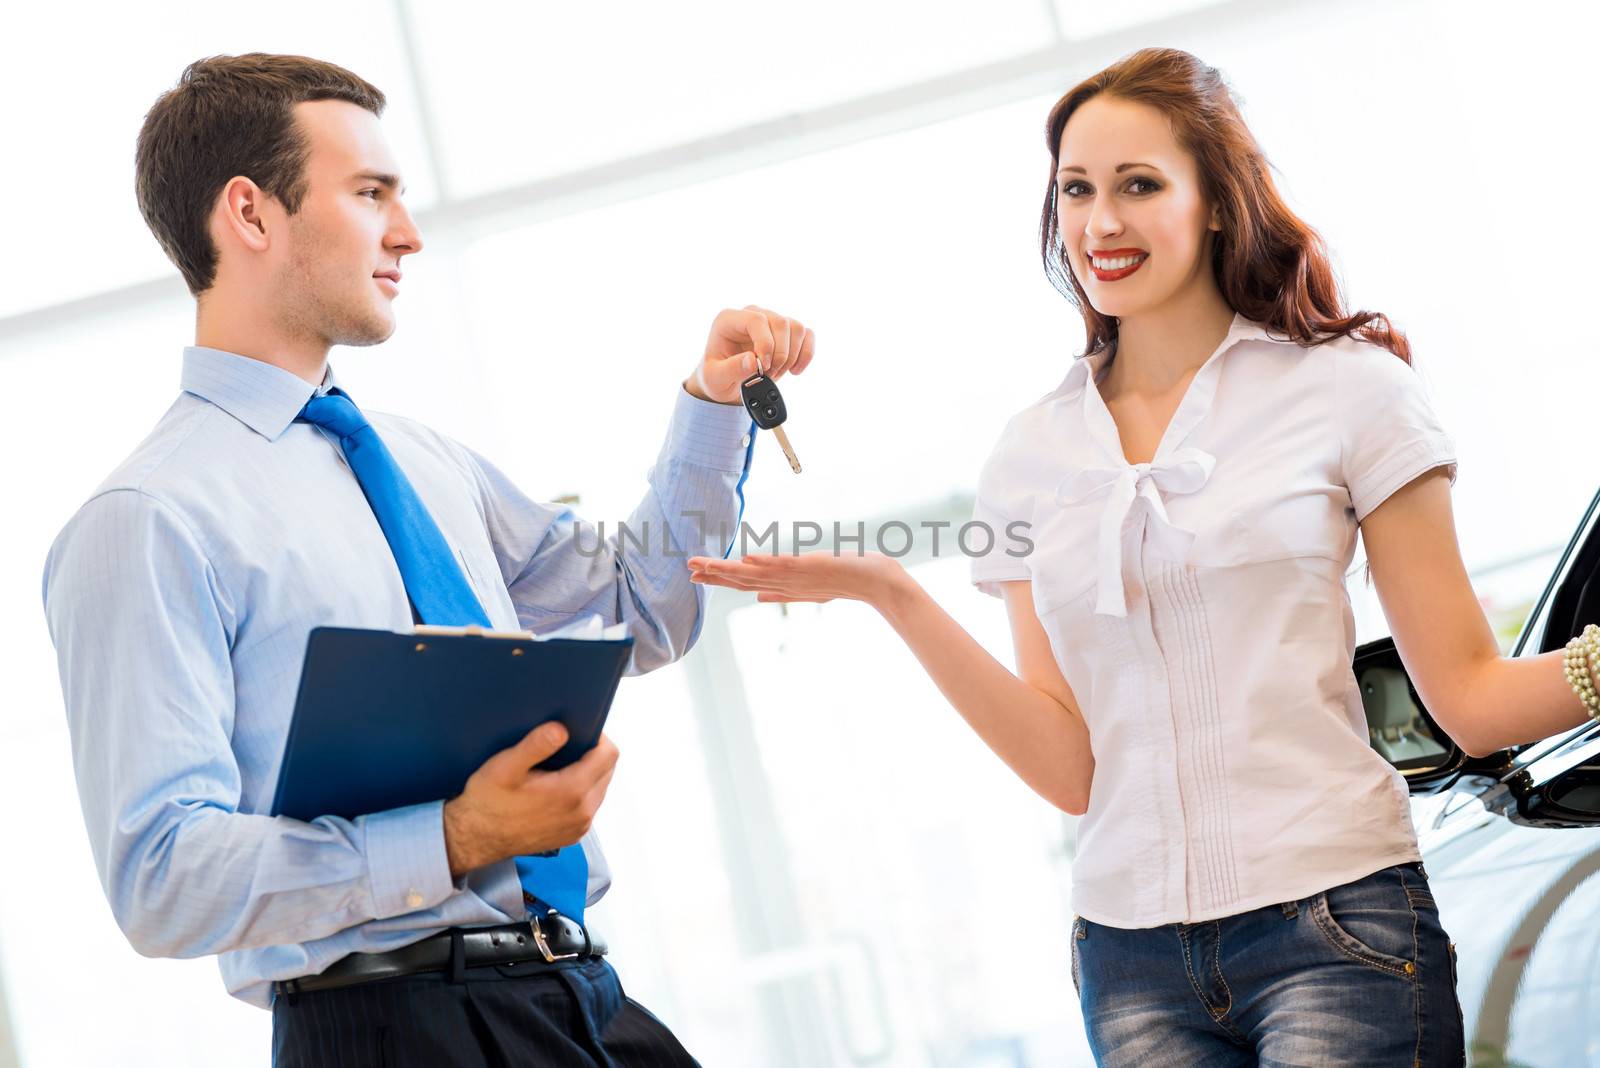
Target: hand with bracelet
{"x": 1581, "y": 653}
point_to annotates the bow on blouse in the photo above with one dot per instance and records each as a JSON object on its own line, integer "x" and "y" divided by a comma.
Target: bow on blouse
{"x": 1185, "y": 471}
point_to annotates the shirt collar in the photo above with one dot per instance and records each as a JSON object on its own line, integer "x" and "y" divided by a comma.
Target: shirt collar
{"x": 262, "y": 397}
{"x": 1241, "y": 329}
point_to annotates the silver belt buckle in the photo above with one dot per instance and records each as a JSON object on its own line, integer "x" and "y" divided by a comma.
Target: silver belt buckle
{"x": 543, "y": 945}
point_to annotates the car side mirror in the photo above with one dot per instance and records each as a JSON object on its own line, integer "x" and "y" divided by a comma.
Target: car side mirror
{"x": 1399, "y": 726}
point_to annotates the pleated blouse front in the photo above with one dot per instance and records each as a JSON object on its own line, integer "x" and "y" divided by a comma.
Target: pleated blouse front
{"x": 1196, "y": 605}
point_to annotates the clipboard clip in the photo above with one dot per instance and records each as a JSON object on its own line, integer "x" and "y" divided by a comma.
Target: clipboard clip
{"x": 471, "y": 630}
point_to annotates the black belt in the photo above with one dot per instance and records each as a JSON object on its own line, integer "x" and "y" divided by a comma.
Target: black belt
{"x": 550, "y": 939}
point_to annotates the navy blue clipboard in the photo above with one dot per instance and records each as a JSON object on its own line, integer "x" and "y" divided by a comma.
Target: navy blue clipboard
{"x": 383, "y": 719}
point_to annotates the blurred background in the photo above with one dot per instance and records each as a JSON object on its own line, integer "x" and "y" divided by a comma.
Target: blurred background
{"x": 816, "y": 863}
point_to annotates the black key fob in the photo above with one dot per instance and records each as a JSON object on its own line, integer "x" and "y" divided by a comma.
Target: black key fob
{"x": 763, "y": 401}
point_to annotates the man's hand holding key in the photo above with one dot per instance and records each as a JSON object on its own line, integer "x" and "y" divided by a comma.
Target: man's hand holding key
{"x": 748, "y": 350}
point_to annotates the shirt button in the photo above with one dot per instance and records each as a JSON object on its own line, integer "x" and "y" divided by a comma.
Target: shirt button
{"x": 744, "y": 442}
{"x": 413, "y": 900}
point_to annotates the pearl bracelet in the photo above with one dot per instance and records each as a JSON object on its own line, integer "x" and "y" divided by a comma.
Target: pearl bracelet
{"x": 1581, "y": 654}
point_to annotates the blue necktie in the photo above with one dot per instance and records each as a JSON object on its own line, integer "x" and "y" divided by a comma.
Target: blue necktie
{"x": 441, "y": 596}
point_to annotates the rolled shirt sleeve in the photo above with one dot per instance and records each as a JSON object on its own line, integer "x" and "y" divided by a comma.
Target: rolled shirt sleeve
{"x": 1388, "y": 432}
{"x": 1004, "y": 506}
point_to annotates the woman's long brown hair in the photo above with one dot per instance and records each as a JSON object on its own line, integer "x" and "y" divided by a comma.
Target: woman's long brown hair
{"x": 1270, "y": 266}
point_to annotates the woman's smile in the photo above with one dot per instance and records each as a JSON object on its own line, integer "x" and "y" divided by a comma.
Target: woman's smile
{"x": 1111, "y": 265}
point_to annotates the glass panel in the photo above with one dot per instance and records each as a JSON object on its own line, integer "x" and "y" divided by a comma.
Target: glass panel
{"x": 670, "y": 919}
{"x": 905, "y": 831}
{"x": 1388, "y": 165}
{"x": 82, "y": 232}
{"x": 528, "y": 90}
{"x": 912, "y": 256}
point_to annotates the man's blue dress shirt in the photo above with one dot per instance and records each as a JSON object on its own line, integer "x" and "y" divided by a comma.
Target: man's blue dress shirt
{"x": 180, "y": 598}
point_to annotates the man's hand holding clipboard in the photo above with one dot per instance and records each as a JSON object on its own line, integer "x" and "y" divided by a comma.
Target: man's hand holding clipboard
{"x": 510, "y": 807}
{"x": 387, "y": 719}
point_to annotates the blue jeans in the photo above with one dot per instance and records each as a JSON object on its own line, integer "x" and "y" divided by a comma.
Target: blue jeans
{"x": 1359, "y": 974}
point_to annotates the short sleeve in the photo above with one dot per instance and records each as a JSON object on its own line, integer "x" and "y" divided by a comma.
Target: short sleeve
{"x": 1388, "y": 432}
{"x": 1002, "y": 514}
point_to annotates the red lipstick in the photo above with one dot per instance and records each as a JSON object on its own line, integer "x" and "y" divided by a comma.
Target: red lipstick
{"x": 1116, "y": 253}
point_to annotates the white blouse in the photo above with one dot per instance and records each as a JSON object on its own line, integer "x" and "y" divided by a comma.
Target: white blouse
{"x": 1196, "y": 605}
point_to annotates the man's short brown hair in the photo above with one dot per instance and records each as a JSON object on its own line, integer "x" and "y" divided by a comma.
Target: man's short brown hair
{"x": 228, "y": 116}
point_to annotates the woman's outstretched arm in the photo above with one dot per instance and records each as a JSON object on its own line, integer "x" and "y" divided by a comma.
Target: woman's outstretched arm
{"x": 1032, "y": 723}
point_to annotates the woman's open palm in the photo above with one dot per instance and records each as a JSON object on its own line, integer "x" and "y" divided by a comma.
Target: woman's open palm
{"x": 811, "y": 577}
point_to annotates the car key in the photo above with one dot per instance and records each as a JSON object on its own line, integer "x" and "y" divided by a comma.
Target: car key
{"x": 765, "y": 404}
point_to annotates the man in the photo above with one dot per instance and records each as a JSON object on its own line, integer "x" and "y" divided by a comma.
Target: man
{"x": 265, "y": 503}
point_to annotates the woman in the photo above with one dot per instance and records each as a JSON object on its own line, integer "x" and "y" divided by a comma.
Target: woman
{"x": 1248, "y": 883}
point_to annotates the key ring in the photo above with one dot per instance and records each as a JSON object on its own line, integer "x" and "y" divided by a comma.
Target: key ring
{"x": 760, "y": 372}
